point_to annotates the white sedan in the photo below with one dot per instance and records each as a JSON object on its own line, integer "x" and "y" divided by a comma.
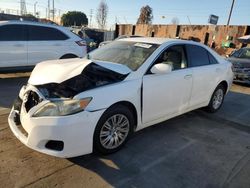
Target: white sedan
{"x": 77, "y": 106}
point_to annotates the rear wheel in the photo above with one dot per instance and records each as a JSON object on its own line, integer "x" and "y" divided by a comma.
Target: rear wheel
{"x": 113, "y": 130}
{"x": 216, "y": 99}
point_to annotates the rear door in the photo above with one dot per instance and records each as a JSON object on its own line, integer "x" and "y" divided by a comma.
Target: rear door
{"x": 13, "y": 45}
{"x": 206, "y": 74}
{"x": 45, "y": 43}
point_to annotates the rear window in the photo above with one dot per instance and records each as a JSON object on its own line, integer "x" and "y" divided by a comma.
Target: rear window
{"x": 13, "y": 32}
{"x": 198, "y": 56}
{"x": 41, "y": 33}
{"x": 212, "y": 59}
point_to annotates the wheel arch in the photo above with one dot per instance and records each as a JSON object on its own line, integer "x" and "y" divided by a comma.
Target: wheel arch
{"x": 131, "y": 107}
{"x": 224, "y": 84}
{"x": 69, "y": 55}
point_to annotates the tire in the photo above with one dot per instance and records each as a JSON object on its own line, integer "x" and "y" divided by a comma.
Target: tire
{"x": 68, "y": 56}
{"x": 108, "y": 143}
{"x": 217, "y": 99}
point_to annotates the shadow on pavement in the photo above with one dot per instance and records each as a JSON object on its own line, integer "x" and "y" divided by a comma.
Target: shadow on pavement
{"x": 9, "y": 89}
{"x": 187, "y": 151}
{"x": 236, "y": 108}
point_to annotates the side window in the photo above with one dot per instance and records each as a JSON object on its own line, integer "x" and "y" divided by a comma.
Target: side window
{"x": 175, "y": 56}
{"x": 212, "y": 59}
{"x": 13, "y": 32}
{"x": 198, "y": 56}
{"x": 41, "y": 33}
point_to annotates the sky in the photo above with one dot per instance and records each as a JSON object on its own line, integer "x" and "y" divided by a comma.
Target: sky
{"x": 127, "y": 11}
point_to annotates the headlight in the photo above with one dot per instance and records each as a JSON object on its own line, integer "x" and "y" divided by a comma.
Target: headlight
{"x": 62, "y": 107}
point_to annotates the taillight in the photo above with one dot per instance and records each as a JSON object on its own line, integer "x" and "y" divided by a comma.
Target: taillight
{"x": 81, "y": 43}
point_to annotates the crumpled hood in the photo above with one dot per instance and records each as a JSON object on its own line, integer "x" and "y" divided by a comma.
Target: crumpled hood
{"x": 57, "y": 71}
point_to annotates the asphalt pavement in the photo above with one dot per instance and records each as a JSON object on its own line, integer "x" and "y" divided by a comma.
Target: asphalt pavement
{"x": 196, "y": 149}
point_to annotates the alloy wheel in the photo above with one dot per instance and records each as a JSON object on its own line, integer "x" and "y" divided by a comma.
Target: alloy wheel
{"x": 218, "y": 98}
{"x": 114, "y": 131}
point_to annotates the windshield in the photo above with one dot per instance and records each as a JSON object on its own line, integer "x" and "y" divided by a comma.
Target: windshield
{"x": 245, "y": 53}
{"x": 131, "y": 54}
{"x": 242, "y": 53}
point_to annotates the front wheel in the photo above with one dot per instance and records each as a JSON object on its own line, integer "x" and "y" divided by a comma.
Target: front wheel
{"x": 113, "y": 129}
{"x": 216, "y": 99}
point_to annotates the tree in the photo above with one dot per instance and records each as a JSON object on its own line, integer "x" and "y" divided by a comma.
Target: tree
{"x": 175, "y": 21}
{"x": 101, "y": 15}
{"x": 74, "y": 18}
{"x": 146, "y": 15}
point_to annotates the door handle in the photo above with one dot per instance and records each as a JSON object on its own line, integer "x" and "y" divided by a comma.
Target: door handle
{"x": 188, "y": 76}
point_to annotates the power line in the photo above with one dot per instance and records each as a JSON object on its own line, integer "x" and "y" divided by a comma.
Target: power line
{"x": 230, "y": 13}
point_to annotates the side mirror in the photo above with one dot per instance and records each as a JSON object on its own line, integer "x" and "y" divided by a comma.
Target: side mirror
{"x": 161, "y": 68}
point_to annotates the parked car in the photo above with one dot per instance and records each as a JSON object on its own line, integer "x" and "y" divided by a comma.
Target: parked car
{"x": 78, "y": 106}
{"x": 23, "y": 44}
{"x": 241, "y": 65}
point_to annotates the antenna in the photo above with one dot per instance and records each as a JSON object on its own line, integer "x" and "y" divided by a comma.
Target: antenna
{"x": 23, "y": 9}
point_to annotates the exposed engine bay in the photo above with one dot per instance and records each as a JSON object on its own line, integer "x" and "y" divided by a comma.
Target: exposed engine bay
{"x": 92, "y": 76}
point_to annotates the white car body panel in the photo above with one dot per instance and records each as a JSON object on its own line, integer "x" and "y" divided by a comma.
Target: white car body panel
{"x": 158, "y": 99}
{"x": 155, "y": 98}
{"x": 13, "y": 53}
{"x": 65, "y": 69}
{"x": 77, "y": 125}
{"x": 203, "y": 84}
{"x": 39, "y": 51}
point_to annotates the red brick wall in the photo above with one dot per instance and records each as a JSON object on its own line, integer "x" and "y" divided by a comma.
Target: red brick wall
{"x": 219, "y": 33}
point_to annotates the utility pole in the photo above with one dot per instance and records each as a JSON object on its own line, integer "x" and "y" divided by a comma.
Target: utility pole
{"x": 35, "y": 8}
{"x": 48, "y": 9}
{"x": 59, "y": 13}
{"x": 23, "y": 9}
{"x": 230, "y": 13}
{"x": 53, "y": 13}
{"x": 90, "y": 17}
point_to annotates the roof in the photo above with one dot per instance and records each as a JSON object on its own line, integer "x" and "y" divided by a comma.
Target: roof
{"x": 26, "y": 22}
{"x": 152, "y": 40}
{"x": 160, "y": 41}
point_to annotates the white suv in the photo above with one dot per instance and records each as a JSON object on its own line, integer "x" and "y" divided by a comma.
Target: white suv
{"x": 24, "y": 44}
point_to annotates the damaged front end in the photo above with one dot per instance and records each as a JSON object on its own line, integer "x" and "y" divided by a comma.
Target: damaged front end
{"x": 57, "y": 99}
{"x": 91, "y": 77}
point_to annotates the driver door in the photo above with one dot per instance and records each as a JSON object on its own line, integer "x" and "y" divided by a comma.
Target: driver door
{"x": 167, "y": 94}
